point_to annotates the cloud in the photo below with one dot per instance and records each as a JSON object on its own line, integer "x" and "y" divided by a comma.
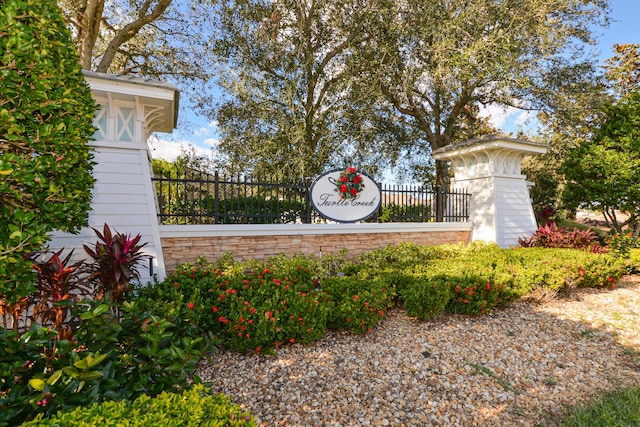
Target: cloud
{"x": 170, "y": 150}
{"x": 498, "y": 115}
{"x": 510, "y": 119}
{"x": 202, "y": 131}
{"x": 211, "y": 142}
{"x": 525, "y": 119}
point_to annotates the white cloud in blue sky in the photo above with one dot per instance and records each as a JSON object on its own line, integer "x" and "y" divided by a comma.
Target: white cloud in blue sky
{"x": 170, "y": 149}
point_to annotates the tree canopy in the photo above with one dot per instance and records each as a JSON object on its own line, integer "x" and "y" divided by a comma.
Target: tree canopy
{"x": 435, "y": 60}
{"x": 302, "y": 76}
{"x": 162, "y": 39}
{"x": 603, "y": 172}
{"x": 290, "y": 107}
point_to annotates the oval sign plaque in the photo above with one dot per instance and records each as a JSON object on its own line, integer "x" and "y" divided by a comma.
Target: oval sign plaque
{"x": 345, "y": 204}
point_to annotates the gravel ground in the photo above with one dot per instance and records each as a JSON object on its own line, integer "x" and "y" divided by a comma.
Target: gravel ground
{"x": 519, "y": 366}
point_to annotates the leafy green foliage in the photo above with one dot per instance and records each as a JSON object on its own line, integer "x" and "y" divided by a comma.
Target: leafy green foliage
{"x": 148, "y": 353}
{"x": 397, "y": 256}
{"x": 154, "y": 341}
{"x": 434, "y": 62}
{"x": 426, "y": 297}
{"x": 545, "y": 194}
{"x": 46, "y": 115}
{"x": 627, "y": 247}
{"x": 77, "y": 352}
{"x": 357, "y": 302}
{"x": 603, "y": 172}
{"x": 194, "y": 407}
{"x": 622, "y": 244}
{"x": 235, "y": 210}
{"x": 291, "y": 110}
{"x": 108, "y": 357}
{"x": 623, "y": 69}
{"x": 472, "y": 295}
{"x": 392, "y": 212}
{"x": 634, "y": 260}
{"x": 252, "y": 306}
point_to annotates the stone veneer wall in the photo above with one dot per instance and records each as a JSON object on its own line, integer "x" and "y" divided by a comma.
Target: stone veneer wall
{"x": 178, "y": 250}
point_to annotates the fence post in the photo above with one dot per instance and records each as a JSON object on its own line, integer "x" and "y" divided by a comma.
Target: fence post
{"x": 440, "y": 201}
{"x": 216, "y": 199}
{"x": 307, "y": 199}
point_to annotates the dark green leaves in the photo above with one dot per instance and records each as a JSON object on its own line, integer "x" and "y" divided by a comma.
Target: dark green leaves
{"x": 46, "y": 113}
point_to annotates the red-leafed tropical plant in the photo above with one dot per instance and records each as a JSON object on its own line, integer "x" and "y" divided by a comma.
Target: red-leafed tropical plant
{"x": 115, "y": 263}
{"x": 546, "y": 215}
{"x": 552, "y": 236}
{"x": 57, "y": 285}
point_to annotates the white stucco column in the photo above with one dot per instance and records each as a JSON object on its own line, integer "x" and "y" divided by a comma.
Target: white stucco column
{"x": 489, "y": 169}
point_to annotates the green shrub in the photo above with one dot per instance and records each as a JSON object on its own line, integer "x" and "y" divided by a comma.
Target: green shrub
{"x": 553, "y": 270}
{"x": 109, "y": 357}
{"x": 22, "y": 357}
{"x": 472, "y": 295}
{"x": 426, "y": 297}
{"x": 396, "y": 257}
{"x": 194, "y": 407}
{"x": 626, "y": 247}
{"x": 396, "y": 281}
{"x": 45, "y": 124}
{"x": 147, "y": 352}
{"x": 621, "y": 244}
{"x": 634, "y": 260}
{"x": 357, "y": 303}
{"x": 391, "y": 212}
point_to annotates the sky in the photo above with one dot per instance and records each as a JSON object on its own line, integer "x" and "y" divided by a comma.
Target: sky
{"x": 197, "y": 132}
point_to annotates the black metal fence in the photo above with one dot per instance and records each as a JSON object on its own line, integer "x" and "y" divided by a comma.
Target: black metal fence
{"x": 200, "y": 198}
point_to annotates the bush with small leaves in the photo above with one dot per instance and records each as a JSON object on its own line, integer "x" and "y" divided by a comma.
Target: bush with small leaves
{"x": 250, "y": 306}
{"x": 357, "y": 304}
{"x": 426, "y": 297}
{"x": 196, "y": 407}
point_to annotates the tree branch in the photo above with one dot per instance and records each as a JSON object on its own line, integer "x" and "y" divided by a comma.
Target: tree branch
{"x": 130, "y": 30}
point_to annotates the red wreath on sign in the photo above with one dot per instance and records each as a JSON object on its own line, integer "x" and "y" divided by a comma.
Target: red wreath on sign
{"x": 349, "y": 184}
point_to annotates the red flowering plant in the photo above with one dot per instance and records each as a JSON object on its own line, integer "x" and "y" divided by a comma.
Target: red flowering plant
{"x": 473, "y": 295}
{"x": 357, "y": 303}
{"x": 252, "y": 306}
{"x": 350, "y": 183}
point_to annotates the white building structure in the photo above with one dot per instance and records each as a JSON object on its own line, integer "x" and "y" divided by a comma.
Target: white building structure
{"x": 123, "y": 196}
{"x": 490, "y": 169}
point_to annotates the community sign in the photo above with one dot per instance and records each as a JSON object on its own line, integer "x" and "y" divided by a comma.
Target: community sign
{"x": 345, "y": 195}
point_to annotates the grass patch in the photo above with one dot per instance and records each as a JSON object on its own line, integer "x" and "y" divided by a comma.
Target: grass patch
{"x": 619, "y": 408}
